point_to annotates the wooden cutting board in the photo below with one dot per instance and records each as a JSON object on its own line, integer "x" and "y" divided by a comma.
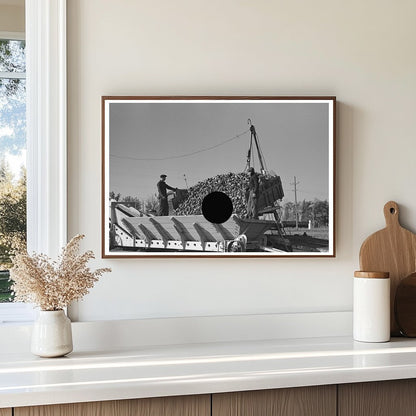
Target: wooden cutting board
{"x": 393, "y": 250}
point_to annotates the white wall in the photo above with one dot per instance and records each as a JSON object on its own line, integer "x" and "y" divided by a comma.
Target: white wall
{"x": 361, "y": 51}
{"x": 12, "y": 17}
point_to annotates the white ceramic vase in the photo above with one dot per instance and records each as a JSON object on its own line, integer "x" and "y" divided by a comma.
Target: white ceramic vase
{"x": 52, "y": 334}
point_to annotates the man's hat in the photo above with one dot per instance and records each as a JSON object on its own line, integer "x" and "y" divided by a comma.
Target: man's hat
{"x": 163, "y": 176}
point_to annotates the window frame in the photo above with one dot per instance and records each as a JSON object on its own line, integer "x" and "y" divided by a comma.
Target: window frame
{"x": 12, "y": 35}
{"x": 46, "y": 121}
{"x": 46, "y": 125}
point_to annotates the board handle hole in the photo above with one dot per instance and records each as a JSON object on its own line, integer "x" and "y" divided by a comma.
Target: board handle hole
{"x": 392, "y": 211}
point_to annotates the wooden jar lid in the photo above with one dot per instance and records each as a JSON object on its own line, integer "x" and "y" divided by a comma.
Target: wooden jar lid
{"x": 372, "y": 275}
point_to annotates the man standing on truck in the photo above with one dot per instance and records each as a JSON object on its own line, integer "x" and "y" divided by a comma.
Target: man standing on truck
{"x": 162, "y": 195}
{"x": 253, "y": 189}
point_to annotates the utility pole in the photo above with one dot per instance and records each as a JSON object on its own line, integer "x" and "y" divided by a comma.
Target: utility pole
{"x": 186, "y": 182}
{"x": 296, "y": 202}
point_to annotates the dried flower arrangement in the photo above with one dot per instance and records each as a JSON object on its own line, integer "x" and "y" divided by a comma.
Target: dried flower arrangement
{"x": 52, "y": 285}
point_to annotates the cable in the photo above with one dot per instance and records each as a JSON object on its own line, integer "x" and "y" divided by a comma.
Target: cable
{"x": 185, "y": 154}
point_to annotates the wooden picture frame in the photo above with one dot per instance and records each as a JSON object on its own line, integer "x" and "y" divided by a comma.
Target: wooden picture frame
{"x": 203, "y": 144}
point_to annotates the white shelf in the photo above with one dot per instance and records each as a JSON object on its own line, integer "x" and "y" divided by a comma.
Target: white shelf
{"x": 150, "y": 371}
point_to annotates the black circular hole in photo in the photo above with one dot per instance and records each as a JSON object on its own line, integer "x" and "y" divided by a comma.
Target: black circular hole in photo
{"x": 217, "y": 207}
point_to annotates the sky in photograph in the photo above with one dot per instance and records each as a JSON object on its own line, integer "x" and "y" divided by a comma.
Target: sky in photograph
{"x": 150, "y": 139}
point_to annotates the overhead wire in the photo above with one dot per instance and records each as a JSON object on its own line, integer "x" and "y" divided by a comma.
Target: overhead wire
{"x": 185, "y": 154}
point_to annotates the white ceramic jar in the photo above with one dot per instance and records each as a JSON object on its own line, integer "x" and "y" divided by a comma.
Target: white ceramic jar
{"x": 52, "y": 334}
{"x": 371, "y": 306}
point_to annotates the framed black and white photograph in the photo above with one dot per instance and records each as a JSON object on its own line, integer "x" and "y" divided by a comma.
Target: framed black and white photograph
{"x": 218, "y": 176}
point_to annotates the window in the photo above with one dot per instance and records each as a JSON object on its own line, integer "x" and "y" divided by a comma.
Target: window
{"x": 12, "y": 155}
{"x": 46, "y": 135}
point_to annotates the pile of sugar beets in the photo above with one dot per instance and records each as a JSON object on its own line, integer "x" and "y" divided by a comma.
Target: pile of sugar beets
{"x": 232, "y": 184}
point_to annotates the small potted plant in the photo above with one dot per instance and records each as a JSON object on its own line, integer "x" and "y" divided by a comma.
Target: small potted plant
{"x": 52, "y": 286}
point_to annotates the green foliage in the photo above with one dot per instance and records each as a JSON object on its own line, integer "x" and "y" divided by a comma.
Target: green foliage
{"x": 12, "y": 214}
{"x": 12, "y": 98}
{"x": 12, "y": 142}
{"x": 12, "y": 55}
{"x": 6, "y": 294}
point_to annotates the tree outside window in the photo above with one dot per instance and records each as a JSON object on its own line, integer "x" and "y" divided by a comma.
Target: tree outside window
{"x": 12, "y": 156}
